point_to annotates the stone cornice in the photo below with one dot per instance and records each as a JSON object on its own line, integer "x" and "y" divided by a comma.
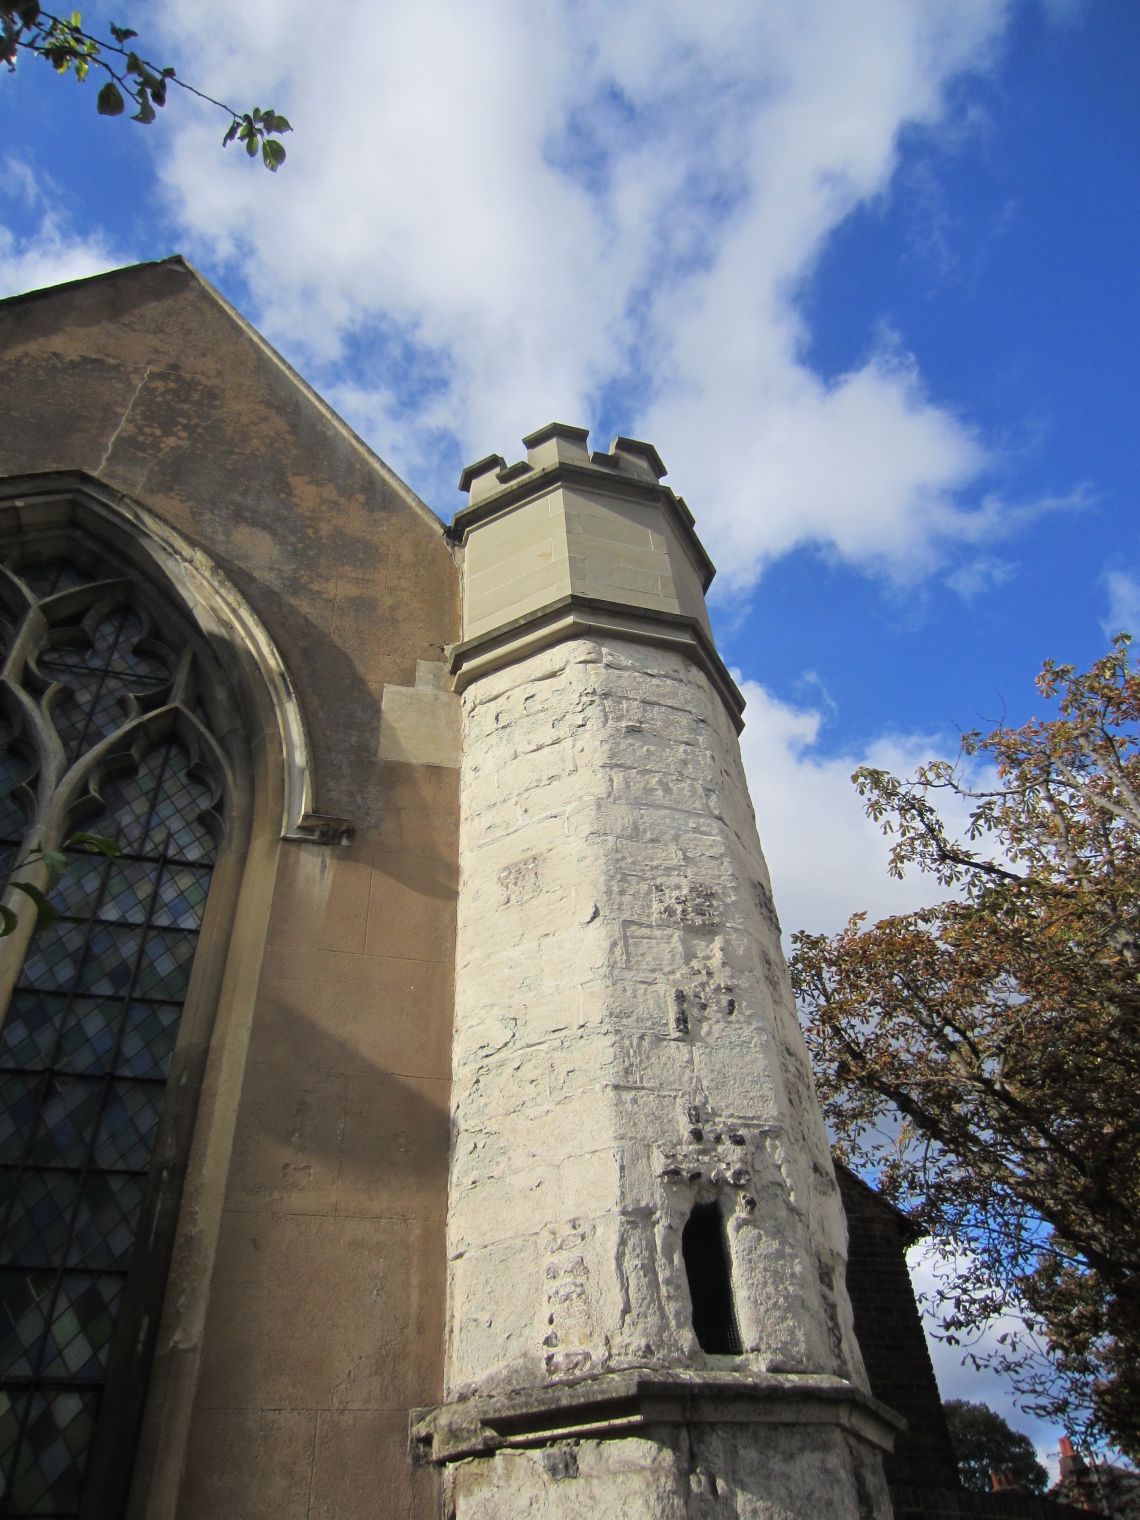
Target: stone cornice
{"x": 617, "y": 1403}
{"x": 577, "y": 616}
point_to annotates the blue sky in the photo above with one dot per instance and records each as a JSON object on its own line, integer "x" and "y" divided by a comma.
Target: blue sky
{"x": 863, "y": 270}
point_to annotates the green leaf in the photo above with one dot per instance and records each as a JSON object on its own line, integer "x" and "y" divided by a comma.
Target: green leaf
{"x": 94, "y": 842}
{"x": 55, "y": 863}
{"x": 145, "y": 112}
{"x": 29, "y": 14}
{"x": 251, "y": 145}
{"x": 231, "y": 132}
{"x": 122, "y": 33}
{"x": 8, "y": 921}
{"x": 110, "y": 102}
{"x": 45, "y": 913}
{"x": 273, "y": 155}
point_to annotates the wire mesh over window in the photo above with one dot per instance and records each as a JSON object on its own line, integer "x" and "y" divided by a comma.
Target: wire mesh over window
{"x": 86, "y": 1044}
{"x": 705, "y": 1251}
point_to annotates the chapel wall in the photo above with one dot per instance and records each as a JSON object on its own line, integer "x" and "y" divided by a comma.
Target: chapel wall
{"x": 305, "y": 1311}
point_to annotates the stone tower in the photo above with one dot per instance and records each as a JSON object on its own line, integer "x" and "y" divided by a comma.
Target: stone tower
{"x": 646, "y": 1306}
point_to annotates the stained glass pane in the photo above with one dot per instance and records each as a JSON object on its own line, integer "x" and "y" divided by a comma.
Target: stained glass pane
{"x": 112, "y": 955}
{"x": 47, "y": 579}
{"x": 84, "y": 1053}
{"x": 130, "y": 889}
{"x": 177, "y": 826}
{"x": 54, "y": 956}
{"x": 130, "y": 797}
{"x": 68, "y": 1116}
{"x": 89, "y": 1035}
{"x": 16, "y": 767}
{"x": 29, "y": 1033}
{"x": 130, "y": 1119}
{"x": 101, "y": 671}
{"x": 11, "y": 1417}
{"x": 82, "y": 1325}
{"x": 182, "y": 896}
{"x": 78, "y": 889}
{"x": 83, "y": 718}
{"x": 166, "y": 960}
{"x": 19, "y": 1104}
{"x": 148, "y": 1039}
{"x": 106, "y": 1221}
{"x": 25, "y": 1304}
{"x": 48, "y": 1470}
{"x": 40, "y": 1220}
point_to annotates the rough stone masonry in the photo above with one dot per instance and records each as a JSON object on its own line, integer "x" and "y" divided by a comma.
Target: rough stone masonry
{"x": 637, "y": 1149}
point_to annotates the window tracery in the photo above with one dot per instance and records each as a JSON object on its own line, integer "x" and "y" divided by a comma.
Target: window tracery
{"x": 101, "y": 729}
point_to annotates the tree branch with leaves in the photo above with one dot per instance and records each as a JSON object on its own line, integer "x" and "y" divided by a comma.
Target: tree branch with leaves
{"x": 982, "y": 1056}
{"x": 62, "y": 41}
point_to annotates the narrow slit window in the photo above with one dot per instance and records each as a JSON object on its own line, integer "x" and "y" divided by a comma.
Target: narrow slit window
{"x": 705, "y": 1250}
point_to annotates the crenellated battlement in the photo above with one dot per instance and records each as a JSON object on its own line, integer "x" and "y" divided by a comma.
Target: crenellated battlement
{"x": 556, "y": 445}
{"x": 567, "y": 541}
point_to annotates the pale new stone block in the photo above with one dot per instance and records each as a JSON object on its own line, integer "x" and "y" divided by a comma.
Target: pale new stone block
{"x": 419, "y": 725}
{"x": 501, "y": 537}
{"x": 527, "y": 593}
{"x": 490, "y": 578}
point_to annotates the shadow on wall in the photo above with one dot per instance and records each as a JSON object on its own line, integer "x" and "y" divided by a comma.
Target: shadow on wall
{"x": 345, "y": 1106}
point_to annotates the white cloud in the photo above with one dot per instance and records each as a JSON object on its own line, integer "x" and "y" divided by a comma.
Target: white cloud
{"x": 960, "y": 1379}
{"x": 827, "y": 859}
{"x": 495, "y": 215}
{"x": 44, "y": 250}
{"x": 979, "y": 575}
{"x": 1123, "y": 615}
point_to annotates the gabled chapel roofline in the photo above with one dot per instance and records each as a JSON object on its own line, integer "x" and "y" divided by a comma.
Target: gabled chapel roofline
{"x": 179, "y": 262}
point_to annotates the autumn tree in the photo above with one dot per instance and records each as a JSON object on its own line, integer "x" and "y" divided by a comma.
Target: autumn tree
{"x": 981, "y": 1056}
{"x": 129, "y": 80}
{"x": 984, "y": 1443}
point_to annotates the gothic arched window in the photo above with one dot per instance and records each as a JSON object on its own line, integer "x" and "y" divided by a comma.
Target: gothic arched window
{"x": 109, "y": 704}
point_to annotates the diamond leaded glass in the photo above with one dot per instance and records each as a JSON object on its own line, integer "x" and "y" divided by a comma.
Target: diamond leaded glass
{"x": 100, "y": 670}
{"x": 16, "y": 768}
{"x": 86, "y": 1044}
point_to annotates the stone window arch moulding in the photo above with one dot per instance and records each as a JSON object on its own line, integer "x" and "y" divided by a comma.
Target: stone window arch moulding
{"x": 141, "y": 699}
{"x": 50, "y": 508}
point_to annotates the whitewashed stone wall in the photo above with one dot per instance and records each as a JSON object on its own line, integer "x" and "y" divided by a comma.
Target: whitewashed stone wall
{"x": 777, "y": 1472}
{"x": 626, "y": 1045}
